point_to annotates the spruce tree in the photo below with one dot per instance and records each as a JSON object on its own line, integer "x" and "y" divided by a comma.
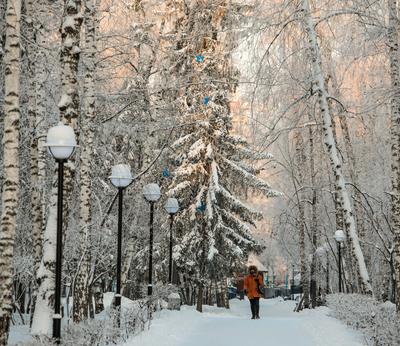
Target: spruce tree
{"x": 210, "y": 162}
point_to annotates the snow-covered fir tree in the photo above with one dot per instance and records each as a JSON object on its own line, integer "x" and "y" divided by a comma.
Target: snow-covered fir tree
{"x": 214, "y": 226}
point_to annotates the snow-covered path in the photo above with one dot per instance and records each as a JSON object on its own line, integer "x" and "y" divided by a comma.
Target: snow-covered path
{"x": 220, "y": 327}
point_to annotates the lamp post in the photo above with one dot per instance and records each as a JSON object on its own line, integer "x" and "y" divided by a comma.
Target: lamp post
{"x": 172, "y": 207}
{"x": 152, "y": 194}
{"x": 61, "y": 144}
{"x": 121, "y": 177}
{"x": 340, "y": 238}
{"x": 292, "y": 284}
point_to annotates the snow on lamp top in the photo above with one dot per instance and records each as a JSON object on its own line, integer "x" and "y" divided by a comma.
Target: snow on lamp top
{"x": 61, "y": 141}
{"x": 172, "y": 206}
{"x": 340, "y": 236}
{"x": 151, "y": 192}
{"x": 121, "y": 175}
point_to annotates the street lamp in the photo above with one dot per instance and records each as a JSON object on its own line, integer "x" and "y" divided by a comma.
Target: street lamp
{"x": 61, "y": 144}
{"x": 172, "y": 207}
{"x": 152, "y": 194}
{"x": 121, "y": 177}
{"x": 340, "y": 238}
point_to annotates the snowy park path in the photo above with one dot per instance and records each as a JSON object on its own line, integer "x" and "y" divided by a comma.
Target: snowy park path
{"x": 220, "y": 327}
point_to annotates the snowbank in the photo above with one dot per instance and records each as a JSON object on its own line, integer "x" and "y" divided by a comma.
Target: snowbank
{"x": 376, "y": 320}
{"x": 103, "y": 330}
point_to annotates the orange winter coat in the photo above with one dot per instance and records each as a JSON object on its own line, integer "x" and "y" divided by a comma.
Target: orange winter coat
{"x": 250, "y": 285}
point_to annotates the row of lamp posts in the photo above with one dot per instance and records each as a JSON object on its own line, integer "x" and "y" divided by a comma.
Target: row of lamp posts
{"x": 61, "y": 144}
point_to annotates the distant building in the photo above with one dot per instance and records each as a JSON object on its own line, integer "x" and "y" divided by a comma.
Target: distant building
{"x": 253, "y": 260}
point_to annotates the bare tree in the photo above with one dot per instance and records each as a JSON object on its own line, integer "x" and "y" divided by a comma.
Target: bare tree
{"x": 10, "y": 186}
{"x": 393, "y": 41}
{"x": 69, "y": 111}
{"x": 301, "y": 222}
{"x": 320, "y": 88}
{"x": 81, "y": 289}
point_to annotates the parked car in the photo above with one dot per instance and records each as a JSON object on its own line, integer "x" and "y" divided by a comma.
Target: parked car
{"x": 232, "y": 292}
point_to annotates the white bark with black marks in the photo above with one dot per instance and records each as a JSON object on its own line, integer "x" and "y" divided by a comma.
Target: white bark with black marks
{"x": 319, "y": 84}
{"x": 300, "y": 161}
{"x": 393, "y": 41}
{"x": 69, "y": 111}
{"x": 81, "y": 289}
{"x": 10, "y": 186}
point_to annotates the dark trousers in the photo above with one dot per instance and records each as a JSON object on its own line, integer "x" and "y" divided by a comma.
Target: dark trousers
{"x": 255, "y": 307}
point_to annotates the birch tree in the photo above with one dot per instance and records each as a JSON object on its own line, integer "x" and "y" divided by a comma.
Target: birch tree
{"x": 10, "y": 186}
{"x": 314, "y": 221}
{"x": 301, "y": 222}
{"x": 69, "y": 111}
{"x": 36, "y": 14}
{"x": 81, "y": 289}
{"x": 393, "y": 41}
{"x": 319, "y": 85}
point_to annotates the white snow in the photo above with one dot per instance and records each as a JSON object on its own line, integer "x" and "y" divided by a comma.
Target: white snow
{"x": 69, "y": 23}
{"x": 278, "y": 325}
{"x": 19, "y": 335}
{"x": 42, "y": 322}
{"x": 65, "y": 101}
{"x": 174, "y": 296}
{"x": 212, "y": 252}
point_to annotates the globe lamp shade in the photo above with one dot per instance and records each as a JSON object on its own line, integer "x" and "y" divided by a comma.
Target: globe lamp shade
{"x": 172, "y": 206}
{"x": 151, "y": 192}
{"x": 121, "y": 175}
{"x": 61, "y": 141}
{"x": 340, "y": 237}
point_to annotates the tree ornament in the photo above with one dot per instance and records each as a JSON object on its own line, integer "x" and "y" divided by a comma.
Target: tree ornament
{"x": 200, "y": 58}
{"x": 166, "y": 173}
{"x": 202, "y": 207}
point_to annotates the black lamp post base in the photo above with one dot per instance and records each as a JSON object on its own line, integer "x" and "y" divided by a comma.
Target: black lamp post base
{"x": 149, "y": 290}
{"x": 57, "y": 329}
{"x": 117, "y": 300}
{"x": 118, "y": 309}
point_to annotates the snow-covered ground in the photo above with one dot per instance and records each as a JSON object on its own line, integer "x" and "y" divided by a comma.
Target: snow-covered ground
{"x": 278, "y": 325}
{"x": 19, "y": 334}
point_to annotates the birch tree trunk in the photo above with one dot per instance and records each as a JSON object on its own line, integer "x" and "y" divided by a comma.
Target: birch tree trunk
{"x": 42, "y": 317}
{"x": 81, "y": 290}
{"x": 69, "y": 104}
{"x": 347, "y": 263}
{"x": 336, "y": 163}
{"x": 70, "y": 54}
{"x": 300, "y": 161}
{"x": 314, "y": 226}
{"x": 69, "y": 110}
{"x": 393, "y": 38}
{"x": 353, "y": 174}
{"x": 37, "y": 11}
{"x": 32, "y": 122}
{"x": 11, "y": 164}
{"x": 352, "y": 280}
{"x": 37, "y": 108}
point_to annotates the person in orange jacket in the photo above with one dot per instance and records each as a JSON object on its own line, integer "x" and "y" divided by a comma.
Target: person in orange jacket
{"x": 253, "y": 285}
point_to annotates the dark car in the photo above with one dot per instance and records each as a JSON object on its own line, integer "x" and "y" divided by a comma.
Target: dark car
{"x": 232, "y": 292}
